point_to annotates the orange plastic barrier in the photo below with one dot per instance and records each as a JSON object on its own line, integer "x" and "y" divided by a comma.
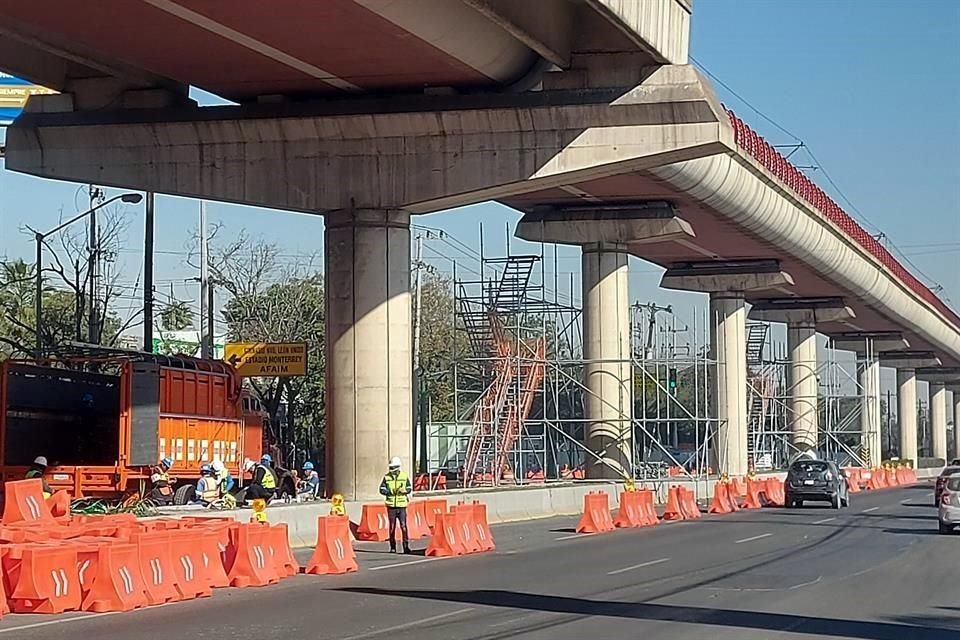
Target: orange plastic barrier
{"x": 374, "y": 525}
{"x": 46, "y": 581}
{"x": 156, "y": 566}
{"x": 853, "y": 485}
{"x": 466, "y": 528}
{"x": 432, "y": 507}
{"x": 773, "y": 488}
{"x": 248, "y": 558}
{"x": 213, "y": 545}
{"x": 648, "y": 507}
{"x": 23, "y": 502}
{"x": 688, "y": 504}
{"x": 118, "y": 584}
{"x": 630, "y": 513}
{"x": 674, "y": 508}
{"x": 445, "y": 541}
{"x": 721, "y": 499}
{"x": 738, "y": 487}
{"x": 281, "y": 555}
{"x": 484, "y": 535}
{"x": 416, "y": 521}
{"x": 187, "y": 559}
{"x": 754, "y": 499}
{"x": 59, "y": 504}
{"x": 596, "y": 513}
{"x": 334, "y": 551}
{"x": 891, "y": 477}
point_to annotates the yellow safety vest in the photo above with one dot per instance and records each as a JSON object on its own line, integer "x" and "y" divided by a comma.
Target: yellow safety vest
{"x": 396, "y": 489}
{"x": 269, "y": 480}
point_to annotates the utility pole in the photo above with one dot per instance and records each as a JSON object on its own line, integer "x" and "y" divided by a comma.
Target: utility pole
{"x": 206, "y": 339}
{"x": 418, "y": 265}
{"x": 420, "y": 432}
{"x": 148, "y": 275}
{"x": 93, "y": 267}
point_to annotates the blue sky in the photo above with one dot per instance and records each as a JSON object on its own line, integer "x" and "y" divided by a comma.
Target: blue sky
{"x": 872, "y": 87}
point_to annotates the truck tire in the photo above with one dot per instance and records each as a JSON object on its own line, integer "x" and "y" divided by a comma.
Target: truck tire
{"x": 184, "y": 494}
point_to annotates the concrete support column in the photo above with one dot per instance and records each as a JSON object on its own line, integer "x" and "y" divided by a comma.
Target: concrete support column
{"x": 607, "y": 372}
{"x": 907, "y": 412}
{"x": 728, "y": 345}
{"x": 368, "y": 348}
{"x": 802, "y": 343}
{"x": 938, "y": 419}
{"x": 870, "y": 410}
{"x": 956, "y": 421}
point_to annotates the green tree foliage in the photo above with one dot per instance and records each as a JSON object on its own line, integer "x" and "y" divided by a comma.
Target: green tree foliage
{"x": 269, "y": 300}
{"x": 176, "y": 316}
{"x": 440, "y": 343}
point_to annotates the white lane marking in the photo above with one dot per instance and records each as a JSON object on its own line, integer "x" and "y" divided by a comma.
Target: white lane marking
{"x": 37, "y": 625}
{"x": 825, "y": 520}
{"x": 573, "y": 536}
{"x": 871, "y": 509}
{"x": 407, "y": 625}
{"x": 638, "y": 566}
{"x": 253, "y": 44}
{"x": 404, "y": 564}
{"x": 751, "y": 539}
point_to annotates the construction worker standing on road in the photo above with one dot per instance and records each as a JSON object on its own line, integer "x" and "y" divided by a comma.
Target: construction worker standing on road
{"x": 396, "y": 489}
{"x": 37, "y": 470}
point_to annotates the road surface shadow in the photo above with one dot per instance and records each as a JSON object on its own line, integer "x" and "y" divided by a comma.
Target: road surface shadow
{"x": 564, "y": 530}
{"x": 903, "y": 629}
{"x": 913, "y": 532}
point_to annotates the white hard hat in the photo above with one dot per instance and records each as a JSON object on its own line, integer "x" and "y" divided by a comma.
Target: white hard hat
{"x": 41, "y": 461}
{"x": 394, "y": 462}
{"x": 248, "y": 464}
{"x": 217, "y": 465}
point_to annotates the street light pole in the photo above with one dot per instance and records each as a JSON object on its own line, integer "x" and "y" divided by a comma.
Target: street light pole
{"x": 129, "y": 198}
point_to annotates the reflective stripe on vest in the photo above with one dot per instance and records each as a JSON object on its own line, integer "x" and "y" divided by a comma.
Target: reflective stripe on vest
{"x": 396, "y": 489}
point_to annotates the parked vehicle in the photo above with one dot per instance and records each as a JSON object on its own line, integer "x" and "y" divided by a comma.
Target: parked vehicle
{"x": 816, "y": 480}
{"x": 948, "y": 515}
{"x": 104, "y": 429}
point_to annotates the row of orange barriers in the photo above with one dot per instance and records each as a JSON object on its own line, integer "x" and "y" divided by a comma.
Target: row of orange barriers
{"x": 637, "y": 507}
{"x": 374, "y": 525}
{"x": 872, "y": 479}
{"x": 118, "y": 563}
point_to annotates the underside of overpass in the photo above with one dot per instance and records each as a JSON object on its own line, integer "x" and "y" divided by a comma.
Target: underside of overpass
{"x": 583, "y": 113}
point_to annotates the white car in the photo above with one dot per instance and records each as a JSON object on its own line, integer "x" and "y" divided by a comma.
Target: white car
{"x": 949, "y": 515}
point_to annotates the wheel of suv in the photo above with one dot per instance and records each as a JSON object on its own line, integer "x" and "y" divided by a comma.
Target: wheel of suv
{"x": 845, "y": 501}
{"x": 835, "y": 500}
{"x": 945, "y": 528}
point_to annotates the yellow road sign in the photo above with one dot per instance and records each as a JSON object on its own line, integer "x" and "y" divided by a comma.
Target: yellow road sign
{"x": 253, "y": 359}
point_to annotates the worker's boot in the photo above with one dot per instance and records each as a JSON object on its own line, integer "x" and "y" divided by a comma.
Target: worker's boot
{"x": 393, "y": 547}
{"x": 406, "y": 548}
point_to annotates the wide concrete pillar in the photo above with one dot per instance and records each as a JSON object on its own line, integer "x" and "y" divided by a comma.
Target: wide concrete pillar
{"x": 938, "y": 419}
{"x": 368, "y": 347}
{"x": 907, "y": 412}
{"x": 803, "y": 386}
{"x": 870, "y": 411}
{"x": 728, "y": 346}
{"x": 608, "y": 403}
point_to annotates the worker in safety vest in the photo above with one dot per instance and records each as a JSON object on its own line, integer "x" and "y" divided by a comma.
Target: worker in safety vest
{"x": 396, "y": 489}
{"x": 263, "y": 484}
{"x": 208, "y": 487}
{"x": 223, "y": 476}
{"x": 162, "y": 484}
{"x": 37, "y": 470}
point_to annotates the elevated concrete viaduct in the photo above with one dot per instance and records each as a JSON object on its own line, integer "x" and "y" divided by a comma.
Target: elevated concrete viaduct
{"x": 582, "y": 114}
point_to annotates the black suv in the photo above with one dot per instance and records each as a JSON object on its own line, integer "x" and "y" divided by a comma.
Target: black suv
{"x": 817, "y": 480}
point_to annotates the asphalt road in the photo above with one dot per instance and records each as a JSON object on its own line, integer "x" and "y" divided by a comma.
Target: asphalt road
{"x": 875, "y": 571}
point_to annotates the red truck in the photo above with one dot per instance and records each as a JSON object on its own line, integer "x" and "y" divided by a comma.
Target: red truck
{"x": 102, "y": 431}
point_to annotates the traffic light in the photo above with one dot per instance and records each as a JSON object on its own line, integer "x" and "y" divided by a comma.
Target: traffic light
{"x": 672, "y": 381}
